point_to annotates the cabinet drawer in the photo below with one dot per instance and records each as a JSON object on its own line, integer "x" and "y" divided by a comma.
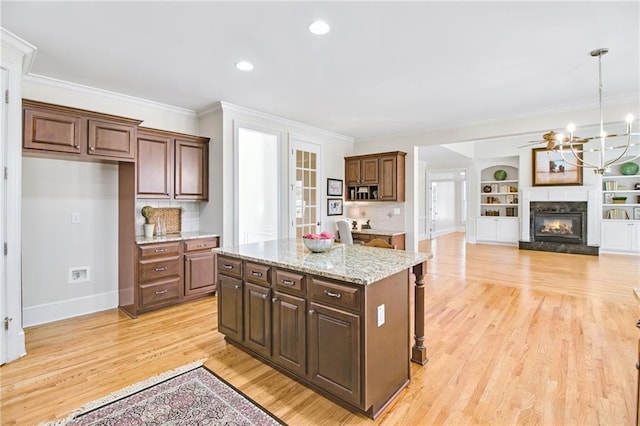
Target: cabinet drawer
{"x": 149, "y": 251}
{"x": 230, "y": 266}
{"x": 290, "y": 281}
{"x": 335, "y": 294}
{"x": 258, "y": 274}
{"x": 201, "y": 244}
{"x": 162, "y": 292}
{"x": 158, "y": 269}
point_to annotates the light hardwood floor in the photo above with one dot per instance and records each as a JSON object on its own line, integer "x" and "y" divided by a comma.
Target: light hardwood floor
{"x": 513, "y": 337}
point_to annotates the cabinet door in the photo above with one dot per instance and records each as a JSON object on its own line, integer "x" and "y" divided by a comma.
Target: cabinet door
{"x": 369, "y": 171}
{"x": 508, "y": 230}
{"x": 486, "y": 228}
{"x": 109, "y": 139}
{"x": 154, "y": 167}
{"x": 635, "y": 237}
{"x": 53, "y": 131}
{"x": 616, "y": 235}
{"x": 230, "y": 307}
{"x": 257, "y": 319}
{"x": 199, "y": 273}
{"x": 289, "y": 332}
{"x": 388, "y": 185}
{"x": 334, "y": 352}
{"x": 352, "y": 172}
{"x": 191, "y": 170}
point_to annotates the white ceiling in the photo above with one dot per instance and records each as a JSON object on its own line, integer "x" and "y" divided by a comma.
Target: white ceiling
{"x": 385, "y": 67}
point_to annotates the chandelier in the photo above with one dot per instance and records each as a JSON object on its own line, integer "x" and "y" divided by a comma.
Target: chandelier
{"x": 568, "y": 144}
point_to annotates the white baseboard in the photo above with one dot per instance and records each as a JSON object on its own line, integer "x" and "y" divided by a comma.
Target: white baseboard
{"x": 49, "y": 312}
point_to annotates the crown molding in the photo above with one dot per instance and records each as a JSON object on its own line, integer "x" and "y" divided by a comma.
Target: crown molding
{"x": 229, "y": 107}
{"x": 21, "y": 47}
{"x": 88, "y": 90}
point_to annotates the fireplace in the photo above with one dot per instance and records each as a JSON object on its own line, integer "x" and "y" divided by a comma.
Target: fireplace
{"x": 558, "y": 226}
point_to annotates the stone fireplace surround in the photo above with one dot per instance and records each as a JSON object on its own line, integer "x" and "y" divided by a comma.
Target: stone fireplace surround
{"x": 562, "y": 195}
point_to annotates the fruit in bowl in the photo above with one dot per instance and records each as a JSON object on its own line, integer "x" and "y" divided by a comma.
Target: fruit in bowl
{"x": 318, "y": 243}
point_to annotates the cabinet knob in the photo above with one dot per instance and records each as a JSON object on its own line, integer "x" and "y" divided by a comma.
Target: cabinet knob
{"x": 311, "y": 311}
{"x": 264, "y": 297}
{"x": 236, "y": 286}
{"x": 92, "y": 148}
{"x": 274, "y": 300}
{"x": 76, "y": 146}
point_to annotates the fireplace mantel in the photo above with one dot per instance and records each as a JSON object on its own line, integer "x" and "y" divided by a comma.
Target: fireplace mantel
{"x": 588, "y": 193}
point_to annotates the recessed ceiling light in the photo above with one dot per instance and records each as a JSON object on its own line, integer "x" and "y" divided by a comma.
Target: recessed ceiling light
{"x": 319, "y": 28}
{"x": 244, "y": 65}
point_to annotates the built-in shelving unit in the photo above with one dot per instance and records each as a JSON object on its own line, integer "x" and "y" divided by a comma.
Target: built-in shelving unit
{"x": 620, "y": 226}
{"x": 499, "y": 197}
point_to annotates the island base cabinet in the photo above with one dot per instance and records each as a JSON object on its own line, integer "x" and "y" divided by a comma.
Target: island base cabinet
{"x": 257, "y": 319}
{"x": 289, "y": 332}
{"x": 334, "y": 352}
{"x": 230, "y": 307}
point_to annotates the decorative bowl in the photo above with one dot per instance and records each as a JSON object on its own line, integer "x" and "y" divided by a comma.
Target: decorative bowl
{"x": 500, "y": 175}
{"x": 629, "y": 168}
{"x": 318, "y": 245}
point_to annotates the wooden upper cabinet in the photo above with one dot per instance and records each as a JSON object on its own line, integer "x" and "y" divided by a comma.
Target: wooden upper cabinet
{"x": 376, "y": 177}
{"x": 155, "y": 165}
{"x": 192, "y": 169}
{"x": 111, "y": 139}
{"x": 52, "y": 131}
{"x": 172, "y": 165}
{"x": 57, "y": 130}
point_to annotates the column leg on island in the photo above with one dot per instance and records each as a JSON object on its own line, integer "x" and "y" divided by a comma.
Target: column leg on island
{"x": 419, "y": 351}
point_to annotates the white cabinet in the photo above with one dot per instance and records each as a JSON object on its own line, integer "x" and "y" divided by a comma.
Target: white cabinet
{"x": 620, "y": 235}
{"x": 497, "y": 229}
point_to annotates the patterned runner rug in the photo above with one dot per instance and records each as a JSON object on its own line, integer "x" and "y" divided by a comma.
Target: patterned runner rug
{"x": 191, "y": 395}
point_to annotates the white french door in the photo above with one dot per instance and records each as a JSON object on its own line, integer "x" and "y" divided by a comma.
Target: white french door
{"x": 3, "y": 221}
{"x": 304, "y": 182}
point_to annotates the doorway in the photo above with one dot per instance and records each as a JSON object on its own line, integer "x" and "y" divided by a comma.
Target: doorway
{"x": 446, "y": 201}
{"x": 257, "y": 180}
{"x": 304, "y": 192}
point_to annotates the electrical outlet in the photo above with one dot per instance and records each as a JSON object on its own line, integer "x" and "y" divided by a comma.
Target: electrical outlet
{"x": 75, "y": 217}
{"x": 396, "y": 211}
{"x": 380, "y": 315}
{"x": 79, "y": 274}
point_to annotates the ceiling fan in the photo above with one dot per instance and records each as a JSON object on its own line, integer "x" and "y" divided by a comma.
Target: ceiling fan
{"x": 552, "y": 139}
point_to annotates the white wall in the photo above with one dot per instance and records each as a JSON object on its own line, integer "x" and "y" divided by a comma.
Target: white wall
{"x": 52, "y": 189}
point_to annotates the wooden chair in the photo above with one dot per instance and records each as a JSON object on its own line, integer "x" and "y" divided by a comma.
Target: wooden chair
{"x": 377, "y": 242}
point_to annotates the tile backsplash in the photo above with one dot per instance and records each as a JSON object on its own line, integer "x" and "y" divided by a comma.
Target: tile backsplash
{"x": 386, "y": 216}
{"x": 190, "y": 213}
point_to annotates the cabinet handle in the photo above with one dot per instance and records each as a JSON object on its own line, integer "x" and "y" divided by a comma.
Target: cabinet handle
{"x": 311, "y": 312}
{"x": 201, "y": 245}
{"x": 287, "y": 282}
{"x": 264, "y": 297}
{"x": 274, "y": 300}
{"x": 225, "y": 266}
{"x": 160, "y": 250}
{"x": 163, "y": 268}
{"x": 158, "y": 293}
{"x": 256, "y": 274}
{"x": 236, "y": 286}
{"x": 76, "y": 146}
{"x": 92, "y": 148}
{"x": 331, "y": 294}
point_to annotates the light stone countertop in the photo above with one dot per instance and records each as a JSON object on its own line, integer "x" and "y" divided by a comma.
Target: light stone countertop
{"x": 141, "y": 239}
{"x": 377, "y": 232}
{"x": 356, "y": 264}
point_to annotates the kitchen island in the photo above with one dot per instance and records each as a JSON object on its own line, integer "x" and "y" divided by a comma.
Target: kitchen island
{"x": 338, "y": 321}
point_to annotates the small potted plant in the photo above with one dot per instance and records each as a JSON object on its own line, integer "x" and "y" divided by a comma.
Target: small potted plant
{"x": 619, "y": 200}
{"x": 147, "y": 212}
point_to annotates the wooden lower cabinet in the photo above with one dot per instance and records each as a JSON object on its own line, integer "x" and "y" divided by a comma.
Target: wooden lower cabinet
{"x": 230, "y": 307}
{"x": 328, "y": 334}
{"x": 168, "y": 273}
{"x": 334, "y": 351}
